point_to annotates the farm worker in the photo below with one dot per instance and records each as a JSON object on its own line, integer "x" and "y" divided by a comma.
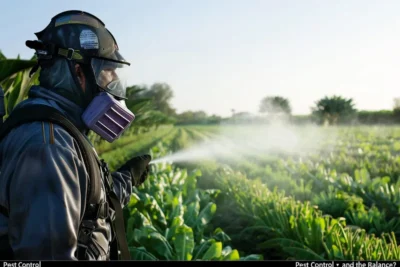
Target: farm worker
{"x": 44, "y": 181}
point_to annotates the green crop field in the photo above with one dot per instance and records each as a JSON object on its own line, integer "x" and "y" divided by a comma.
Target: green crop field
{"x": 281, "y": 158}
{"x": 308, "y": 193}
{"x": 339, "y": 201}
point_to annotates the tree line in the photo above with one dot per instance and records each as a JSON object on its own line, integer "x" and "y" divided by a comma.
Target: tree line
{"x": 329, "y": 110}
{"x": 333, "y": 110}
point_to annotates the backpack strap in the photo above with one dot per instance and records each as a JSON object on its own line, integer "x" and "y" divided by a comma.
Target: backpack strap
{"x": 119, "y": 243}
{"x": 45, "y": 113}
{"x": 92, "y": 162}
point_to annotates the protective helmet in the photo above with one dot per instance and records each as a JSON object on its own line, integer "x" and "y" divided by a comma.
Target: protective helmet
{"x": 81, "y": 37}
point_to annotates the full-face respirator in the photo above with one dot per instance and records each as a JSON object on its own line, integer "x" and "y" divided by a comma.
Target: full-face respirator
{"x": 107, "y": 114}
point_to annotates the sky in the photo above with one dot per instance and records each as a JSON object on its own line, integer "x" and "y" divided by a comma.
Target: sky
{"x": 219, "y": 55}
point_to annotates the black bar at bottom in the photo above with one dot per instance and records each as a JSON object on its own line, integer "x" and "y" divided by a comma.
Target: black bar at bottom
{"x": 198, "y": 263}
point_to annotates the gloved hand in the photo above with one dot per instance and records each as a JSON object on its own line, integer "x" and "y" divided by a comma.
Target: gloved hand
{"x": 138, "y": 167}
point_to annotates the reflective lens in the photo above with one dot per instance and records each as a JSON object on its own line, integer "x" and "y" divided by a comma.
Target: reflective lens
{"x": 111, "y": 76}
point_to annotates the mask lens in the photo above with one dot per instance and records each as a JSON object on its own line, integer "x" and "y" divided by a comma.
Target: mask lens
{"x": 110, "y": 76}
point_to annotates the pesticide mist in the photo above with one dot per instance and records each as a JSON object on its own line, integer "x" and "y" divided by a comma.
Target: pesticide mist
{"x": 245, "y": 141}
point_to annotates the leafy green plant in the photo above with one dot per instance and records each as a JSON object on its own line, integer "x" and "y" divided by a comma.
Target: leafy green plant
{"x": 15, "y": 80}
{"x": 168, "y": 218}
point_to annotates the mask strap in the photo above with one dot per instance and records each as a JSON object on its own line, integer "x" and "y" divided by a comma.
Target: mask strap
{"x": 92, "y": 89}
{"x": 81, "y": 98}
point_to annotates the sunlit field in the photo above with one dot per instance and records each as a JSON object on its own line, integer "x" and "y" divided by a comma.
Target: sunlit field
{"x": 333, "y": 196}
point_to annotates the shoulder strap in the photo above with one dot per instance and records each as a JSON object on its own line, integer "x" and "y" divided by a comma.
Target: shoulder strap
{"x": 119, "y": 244}
{"x": 46, "y": 113}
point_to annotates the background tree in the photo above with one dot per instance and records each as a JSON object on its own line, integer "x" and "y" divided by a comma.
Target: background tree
{"x": 396, "y": 109}
{"x": 135, "y": 101}
{"x": 334, "y": 110}
{"x": 275, "y": 104}
{"x": 161, "y": 95}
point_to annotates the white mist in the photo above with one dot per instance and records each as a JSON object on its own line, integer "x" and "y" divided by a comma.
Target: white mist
{"x": 235, "y": 141}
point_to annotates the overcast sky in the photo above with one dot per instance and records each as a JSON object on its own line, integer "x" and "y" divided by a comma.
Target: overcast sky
{"x": 224, "y": 54}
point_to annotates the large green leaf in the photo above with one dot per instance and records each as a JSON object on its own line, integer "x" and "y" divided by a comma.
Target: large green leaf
{"x": 141, "y": 254}
{"x": 184, "y": 243}
{"x": 9, "y": 67}
{"x": 201, "y": 248}
{"x": 230, "y": 255}
{"x": 189, "y": 189}
{"x": 207, "y": 214}
{"x": 156, "y": 213}
{"x": 2, "y": 56}
{"x": 192, "y": 211}
{"x": 136, "y": 220}
{"x": 214, "y": 252}
{"x": 176, "y": 223}
{"x": 13, "y": 93}
{"x": 177, "y": 207}
{"x": 26, "y": 84}
{"x": 6, "y": 84}
{"x": 155, "y": 243}
{"x": 220, "y": 235}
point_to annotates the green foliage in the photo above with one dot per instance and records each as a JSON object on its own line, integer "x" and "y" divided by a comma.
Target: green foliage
{"x": 334, "y": 110}
{"x": 10, "y": 67}
{"x": 316, "y": 210}
{"x": 168, "y": 218}
{"x": 15, "y": 80}
{"x": 161, "y": 95}
{"x": 377, "y": 117}
{"x": 196, "y": 117}
{"x": 275, "y": 104}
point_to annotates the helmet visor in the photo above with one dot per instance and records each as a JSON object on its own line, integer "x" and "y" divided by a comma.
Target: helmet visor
{"x": 111, "y": 76}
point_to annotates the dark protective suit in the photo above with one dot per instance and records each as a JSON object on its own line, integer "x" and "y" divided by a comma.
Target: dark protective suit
{"x": 43, "y": 184}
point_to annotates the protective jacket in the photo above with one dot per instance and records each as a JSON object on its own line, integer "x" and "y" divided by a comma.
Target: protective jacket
{"x": 44, "y": 186}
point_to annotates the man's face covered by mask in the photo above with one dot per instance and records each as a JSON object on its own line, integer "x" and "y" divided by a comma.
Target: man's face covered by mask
{"x": 110, "y": 76}
{"x": 106, "y": 76}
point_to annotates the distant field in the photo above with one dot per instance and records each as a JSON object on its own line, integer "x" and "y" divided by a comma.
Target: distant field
{"x": 334, "y": 194}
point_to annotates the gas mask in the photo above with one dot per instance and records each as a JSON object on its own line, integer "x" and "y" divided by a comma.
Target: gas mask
{"x": 107, "y": 114}
{"x": 81, "y": 37}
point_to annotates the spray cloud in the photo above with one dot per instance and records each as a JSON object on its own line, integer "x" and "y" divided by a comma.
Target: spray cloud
{"x": 253, "y": 140}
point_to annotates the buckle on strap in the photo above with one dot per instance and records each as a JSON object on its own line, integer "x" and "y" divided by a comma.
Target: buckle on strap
{"x": 70, "y": 53}
{"x": 85, "y": 232}
{"x": 97, "y": 211}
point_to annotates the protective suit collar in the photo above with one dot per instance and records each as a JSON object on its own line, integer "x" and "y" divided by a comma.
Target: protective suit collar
{"x": 40, "y": 95}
